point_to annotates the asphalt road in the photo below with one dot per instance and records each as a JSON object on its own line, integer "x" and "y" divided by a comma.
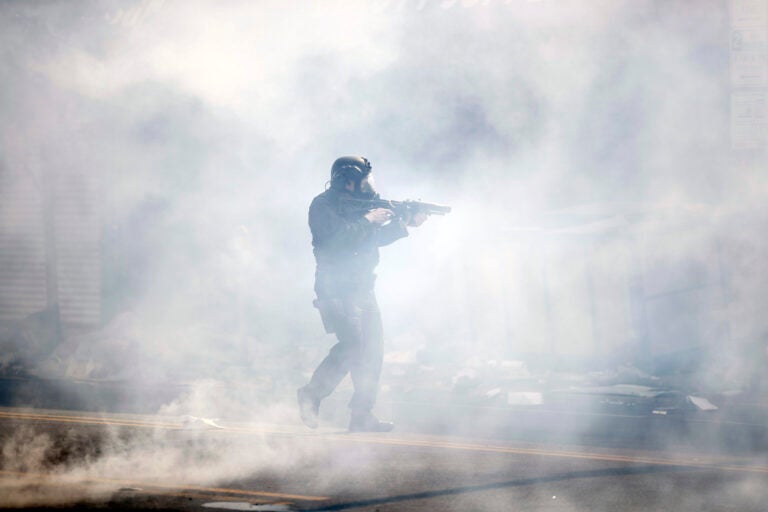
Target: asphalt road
{"x": 56, "y": 459}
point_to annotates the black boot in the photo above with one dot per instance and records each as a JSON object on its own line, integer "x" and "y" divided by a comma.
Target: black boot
{"x": 309, "y": 407}
{"x": 367, "y": 422}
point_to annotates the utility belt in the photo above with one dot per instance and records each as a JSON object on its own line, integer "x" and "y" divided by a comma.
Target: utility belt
{"x": 339, "y": 297}
{"x": 346, "y": 312}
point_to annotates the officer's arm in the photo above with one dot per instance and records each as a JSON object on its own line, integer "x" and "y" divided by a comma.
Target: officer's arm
{"x": 391, "y": 232}
{"x": 330, "y": 229}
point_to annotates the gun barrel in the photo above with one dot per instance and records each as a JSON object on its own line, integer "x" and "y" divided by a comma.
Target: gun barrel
{"x": 438, "y": 209}
{"x": 430, "y": 208}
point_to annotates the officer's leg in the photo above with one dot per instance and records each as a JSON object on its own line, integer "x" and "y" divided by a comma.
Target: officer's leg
{"x": 340, "y": 359}
{"x": 366, "y": 366}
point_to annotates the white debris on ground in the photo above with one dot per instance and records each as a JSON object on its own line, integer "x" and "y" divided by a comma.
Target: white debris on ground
{"x": 195, "y": 423}
{"x": 702, "y": 403}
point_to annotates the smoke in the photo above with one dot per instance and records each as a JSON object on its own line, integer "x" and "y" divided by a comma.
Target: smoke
{"x": 583, "y": 145}
{"x": 61, "y": 467}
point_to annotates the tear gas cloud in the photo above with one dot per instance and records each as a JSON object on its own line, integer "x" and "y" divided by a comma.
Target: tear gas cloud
{"x": 584, "y": 147}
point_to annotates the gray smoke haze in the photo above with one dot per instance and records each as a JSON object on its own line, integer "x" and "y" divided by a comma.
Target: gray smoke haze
{"x": 573, "y": 138}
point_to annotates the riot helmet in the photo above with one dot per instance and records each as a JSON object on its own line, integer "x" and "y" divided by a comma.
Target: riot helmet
{"x": 349, "y": 168}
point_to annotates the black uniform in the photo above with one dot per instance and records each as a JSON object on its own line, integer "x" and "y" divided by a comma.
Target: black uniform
{"x": 346, "y": 247}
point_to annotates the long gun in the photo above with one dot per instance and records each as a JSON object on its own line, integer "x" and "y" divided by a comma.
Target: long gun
{"x": 401, "y": 208}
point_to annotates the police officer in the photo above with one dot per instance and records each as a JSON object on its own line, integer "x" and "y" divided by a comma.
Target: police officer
{"x": 346, "y": 245}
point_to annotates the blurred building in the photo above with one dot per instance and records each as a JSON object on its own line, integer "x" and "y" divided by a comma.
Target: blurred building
{"x": 49, "y": 242}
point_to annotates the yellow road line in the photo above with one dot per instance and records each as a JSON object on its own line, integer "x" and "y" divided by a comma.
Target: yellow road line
{"x": 418, "y": 443}
{"x": 131, "y": 423}
{"x": 550, "y": 453}
{"x": 87, "y": 419}
{"x": 173, "y": 493}
{"x": 211, "y": 497}
{"x": 172, "y": 487}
